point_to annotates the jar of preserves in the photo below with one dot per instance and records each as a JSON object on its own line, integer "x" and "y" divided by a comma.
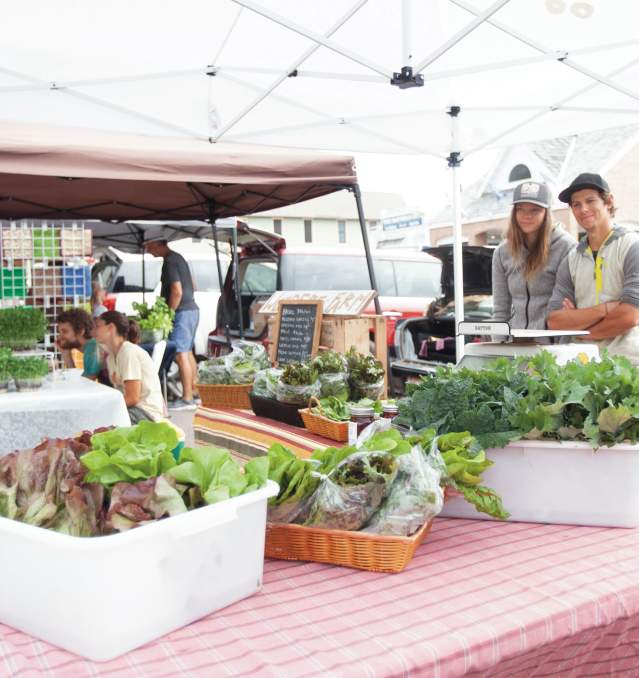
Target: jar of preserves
{"x": 389, "y": 410}
{"x": 361, "y": 417}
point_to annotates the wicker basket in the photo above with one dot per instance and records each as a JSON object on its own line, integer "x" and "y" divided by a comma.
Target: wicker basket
{"x": 361, "y": 550}
{"x": 235, "y": 396}
{"x": 323, "y": 426}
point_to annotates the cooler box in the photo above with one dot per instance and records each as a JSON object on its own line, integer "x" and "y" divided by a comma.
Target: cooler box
{"x": 561, "y": 482}
{"x": 100, "y": 597}
{"x": 76, "y": 281}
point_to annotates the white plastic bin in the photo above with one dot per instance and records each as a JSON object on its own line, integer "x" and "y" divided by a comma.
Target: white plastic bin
{"x": 562, "y": 482}
{"x": 100, "y": 597}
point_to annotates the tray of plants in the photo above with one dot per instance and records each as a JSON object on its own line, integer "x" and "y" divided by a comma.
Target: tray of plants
{"x": 564, "y": 437}
{"x": 370, "y": 505}
{"x": 114, "y": 543}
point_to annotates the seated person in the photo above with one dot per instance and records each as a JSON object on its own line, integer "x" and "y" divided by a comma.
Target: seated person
{"x": 75, "y": 331}
{"x": 130, "y": 367}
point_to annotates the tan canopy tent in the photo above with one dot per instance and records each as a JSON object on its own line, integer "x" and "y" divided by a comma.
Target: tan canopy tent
{"x": 51, "y": 172}
{"x": 57, "y": 173}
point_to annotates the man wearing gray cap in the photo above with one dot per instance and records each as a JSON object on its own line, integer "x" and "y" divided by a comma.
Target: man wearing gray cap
{"x": 597, "y": 286}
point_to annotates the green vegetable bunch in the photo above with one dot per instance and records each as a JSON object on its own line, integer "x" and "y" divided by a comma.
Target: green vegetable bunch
{"x": 332, "y": 408}
{"x": 329, "y": 362}
{"x": 299, "y": 374}
{"x": 22, "y": 326}
{"x": 531, "y": 398}
{"x": 465, "y": 461}
{"x": 365, "y": 375}
{"x": 28, "y": 368}
{"x": 157, "y": 317}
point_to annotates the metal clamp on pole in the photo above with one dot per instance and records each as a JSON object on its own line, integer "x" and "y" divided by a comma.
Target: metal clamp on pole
{"x": 454, "y": 161}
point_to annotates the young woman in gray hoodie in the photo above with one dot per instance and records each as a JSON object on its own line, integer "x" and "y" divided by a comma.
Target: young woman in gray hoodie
{"x": 525, "y": 264}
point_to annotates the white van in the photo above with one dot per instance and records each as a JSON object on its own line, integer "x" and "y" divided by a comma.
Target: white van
{"x": 120, "y": 274}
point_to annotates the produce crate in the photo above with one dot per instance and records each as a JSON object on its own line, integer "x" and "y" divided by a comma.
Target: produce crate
{"x": 75, "y": 242}
{"x": 46, "y": 281}
{"x": 193, "y": 564}
{"x": 76, "y": 281}
{"x": 323, "y": 426}
{"x": 273, "y": 409}
{"x": 234, "y": 396}
{"x": 46, "y": 243}
{"x": 360, "y": 550}
{"x": 17, "y": 243}
{"x": 13, "y": 283}
{"x": 544, "y": 481}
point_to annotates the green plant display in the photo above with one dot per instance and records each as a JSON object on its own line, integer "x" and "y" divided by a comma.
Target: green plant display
{"x": 22, "y": 327}
{"x": 530, "y": 398}
{"x": 156, "y": 317}
{"x": 28, "y": 368}
{"x": 5, "y": 357}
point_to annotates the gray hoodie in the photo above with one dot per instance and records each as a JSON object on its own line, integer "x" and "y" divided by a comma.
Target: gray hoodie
{"x": 524, "y": 303}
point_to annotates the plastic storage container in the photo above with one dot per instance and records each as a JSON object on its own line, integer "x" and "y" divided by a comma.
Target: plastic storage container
{"x": 100, "y": 597}
{"x": 561, "y": 482}
{"x": 46, "y": 243}
{"x": 13, "y": 283}
{"x": 75, "y": 242}
{"x": 76, "y": 281}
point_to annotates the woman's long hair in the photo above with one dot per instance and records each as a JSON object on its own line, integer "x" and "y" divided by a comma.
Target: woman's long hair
{"x": 538, "y": 252}
{"x": 124, "y": 327}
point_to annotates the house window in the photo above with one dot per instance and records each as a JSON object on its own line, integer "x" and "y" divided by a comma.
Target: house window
{"x": 277, "y": 226}
{"x": 519, "y": 173}
{"x": 308, "y": 230}
{"x": 341, "y": 231}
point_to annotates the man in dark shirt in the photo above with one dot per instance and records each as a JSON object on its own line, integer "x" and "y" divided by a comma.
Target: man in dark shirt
{"x": 177, "y": 290}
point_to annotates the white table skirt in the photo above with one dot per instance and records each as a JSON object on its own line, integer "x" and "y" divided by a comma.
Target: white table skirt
{"x": 58, "y": 410}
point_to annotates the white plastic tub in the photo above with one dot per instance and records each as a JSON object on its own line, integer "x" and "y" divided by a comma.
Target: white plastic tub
{"x": 103, "y": 596}
{"x": 562, "y": 482}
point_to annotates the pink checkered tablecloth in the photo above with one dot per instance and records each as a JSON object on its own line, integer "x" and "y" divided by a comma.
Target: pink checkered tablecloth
{"x": 479, "y": 599}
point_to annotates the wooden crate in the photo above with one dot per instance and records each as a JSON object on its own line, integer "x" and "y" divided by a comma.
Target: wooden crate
{"x": 339, "y": 334}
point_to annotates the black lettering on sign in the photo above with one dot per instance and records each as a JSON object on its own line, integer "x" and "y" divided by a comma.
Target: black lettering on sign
{"x": 297, "y": 330}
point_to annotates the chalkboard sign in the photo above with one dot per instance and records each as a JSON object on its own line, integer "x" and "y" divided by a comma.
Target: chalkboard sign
{"x": 297, "y": 330}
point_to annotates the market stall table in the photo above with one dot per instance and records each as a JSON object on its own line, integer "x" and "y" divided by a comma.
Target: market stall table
{"x": 479, "y": 599}
{"x": 61, "y": 408}
{"x": 248, "y": 435}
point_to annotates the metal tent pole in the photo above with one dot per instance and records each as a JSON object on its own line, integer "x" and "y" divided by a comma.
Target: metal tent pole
{"x": 141, "y": 246}
{"x": 225, "y": 317}
{"x": 367, "y": 247}
{"x": 454, "y": 161}
{"x": 236, "y": 281}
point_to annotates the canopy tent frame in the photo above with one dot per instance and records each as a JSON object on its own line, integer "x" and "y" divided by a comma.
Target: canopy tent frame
{"x": 468, "y": 20}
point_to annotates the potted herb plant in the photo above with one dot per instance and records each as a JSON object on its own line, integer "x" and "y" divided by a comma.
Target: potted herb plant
{"x": 365, "y": 375}
{"x": 21, "y": 327}
{"x": 28, "y": 373}
{"x": 156, "y": 322}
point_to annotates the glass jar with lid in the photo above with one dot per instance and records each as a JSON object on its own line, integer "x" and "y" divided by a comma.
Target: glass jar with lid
{"x": 361, "y": 417}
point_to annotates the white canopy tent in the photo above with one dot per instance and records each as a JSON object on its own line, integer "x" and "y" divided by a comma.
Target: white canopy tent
{"x": 322, "y": 75}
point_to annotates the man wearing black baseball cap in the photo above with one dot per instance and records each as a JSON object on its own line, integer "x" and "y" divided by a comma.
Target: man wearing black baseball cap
{"x": 597, "y": 285}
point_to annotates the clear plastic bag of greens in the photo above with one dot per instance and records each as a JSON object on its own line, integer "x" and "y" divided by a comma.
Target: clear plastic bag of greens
{"x": 352, "y": 491}
{"x": 361, "y": 389}
{"x": 334, "y": 384}
{"x": 265, "y": 384}
{"x": 415, "y": 497}
{"x": 253, "y": 352}
{"x": 296, "y": 395}
{"x": 213, "y": 371}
